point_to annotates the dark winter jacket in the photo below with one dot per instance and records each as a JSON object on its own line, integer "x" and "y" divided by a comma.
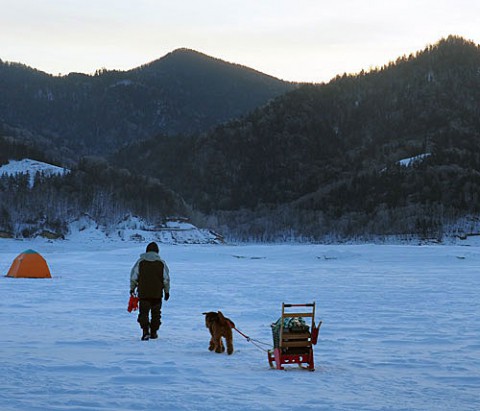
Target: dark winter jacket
{"x": 150, "y": 276}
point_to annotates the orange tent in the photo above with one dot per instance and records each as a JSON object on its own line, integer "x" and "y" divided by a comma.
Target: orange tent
{"x": 29, "y": 264}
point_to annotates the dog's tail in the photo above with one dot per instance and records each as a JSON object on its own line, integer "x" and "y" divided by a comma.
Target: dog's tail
{"x": 224, "y": 320}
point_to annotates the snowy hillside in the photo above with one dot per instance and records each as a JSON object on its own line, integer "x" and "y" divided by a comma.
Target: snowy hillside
{"x": 400, "y": 329}
{"x": 408, "y": 162}
{"x": 130, "y": 228}
{"x": 31, "y": 167}
{"x": 136, "y": 229}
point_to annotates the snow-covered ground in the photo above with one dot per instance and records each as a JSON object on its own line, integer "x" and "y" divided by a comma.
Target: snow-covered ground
{"x": 401, "y": 328}
{"x": 135, "y": 229}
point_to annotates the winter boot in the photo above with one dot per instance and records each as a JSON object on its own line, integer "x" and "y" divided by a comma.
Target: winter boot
{"x": 153, "y": 335}
{"x": 146, "y": 334}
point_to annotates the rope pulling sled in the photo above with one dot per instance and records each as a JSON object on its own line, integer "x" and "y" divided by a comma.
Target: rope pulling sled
{"x": 255, "y": 342}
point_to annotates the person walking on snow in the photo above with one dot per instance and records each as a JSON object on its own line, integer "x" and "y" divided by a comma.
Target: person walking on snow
{"x": 151, "y": 278}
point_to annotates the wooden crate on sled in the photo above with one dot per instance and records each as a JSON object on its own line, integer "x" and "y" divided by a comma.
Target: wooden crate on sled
{"x": 293, "y": 343}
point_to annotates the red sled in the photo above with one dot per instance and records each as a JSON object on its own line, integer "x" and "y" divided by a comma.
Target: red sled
{"x": 294, "y": 336}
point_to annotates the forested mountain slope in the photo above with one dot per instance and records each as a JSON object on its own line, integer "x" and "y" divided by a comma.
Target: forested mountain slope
{"x": 322, "y": 158}
{"x": 183, "y": 92}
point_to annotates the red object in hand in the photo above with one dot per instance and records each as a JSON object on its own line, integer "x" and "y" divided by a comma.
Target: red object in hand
{"x": 132, "y": 304}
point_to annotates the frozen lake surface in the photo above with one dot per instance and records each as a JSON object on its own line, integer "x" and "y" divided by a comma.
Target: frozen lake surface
{"x": 401, "y": 328}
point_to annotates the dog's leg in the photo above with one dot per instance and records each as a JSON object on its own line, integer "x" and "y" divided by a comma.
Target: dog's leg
{"x": 211, "y": 346}
{"x": 219, "y": 348}
{"x": 229, "y": 346}
{"x": 217, "y": 341}
{"x": 229, "y": 340}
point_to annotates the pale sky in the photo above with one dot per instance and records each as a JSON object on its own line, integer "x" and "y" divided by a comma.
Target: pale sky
{"x": 296, "y": 40}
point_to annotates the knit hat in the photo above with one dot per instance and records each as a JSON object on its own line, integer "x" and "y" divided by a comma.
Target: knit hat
{"x": 152, "y": 247}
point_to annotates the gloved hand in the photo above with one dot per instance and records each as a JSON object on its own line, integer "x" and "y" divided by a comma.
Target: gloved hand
{"x": 167, "y": 296}
{"x": 132, "y": 292}
{"x": 132, "y": 304}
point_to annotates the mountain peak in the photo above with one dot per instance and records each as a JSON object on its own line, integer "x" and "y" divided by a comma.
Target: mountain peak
{"x": 187, "y": 55}
{"x": 455, "y": 49}
{"x": 192, "y": 64}
{"x": 183, "y": 58}
{"x": 454, "y": 40}
{"x": 183, "y": 51}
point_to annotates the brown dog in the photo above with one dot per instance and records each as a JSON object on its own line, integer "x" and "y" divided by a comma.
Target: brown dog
{"x": 219, "y": 327}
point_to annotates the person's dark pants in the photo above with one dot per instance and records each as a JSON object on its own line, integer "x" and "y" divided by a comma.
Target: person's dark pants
{"x": 147, "y": 306}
